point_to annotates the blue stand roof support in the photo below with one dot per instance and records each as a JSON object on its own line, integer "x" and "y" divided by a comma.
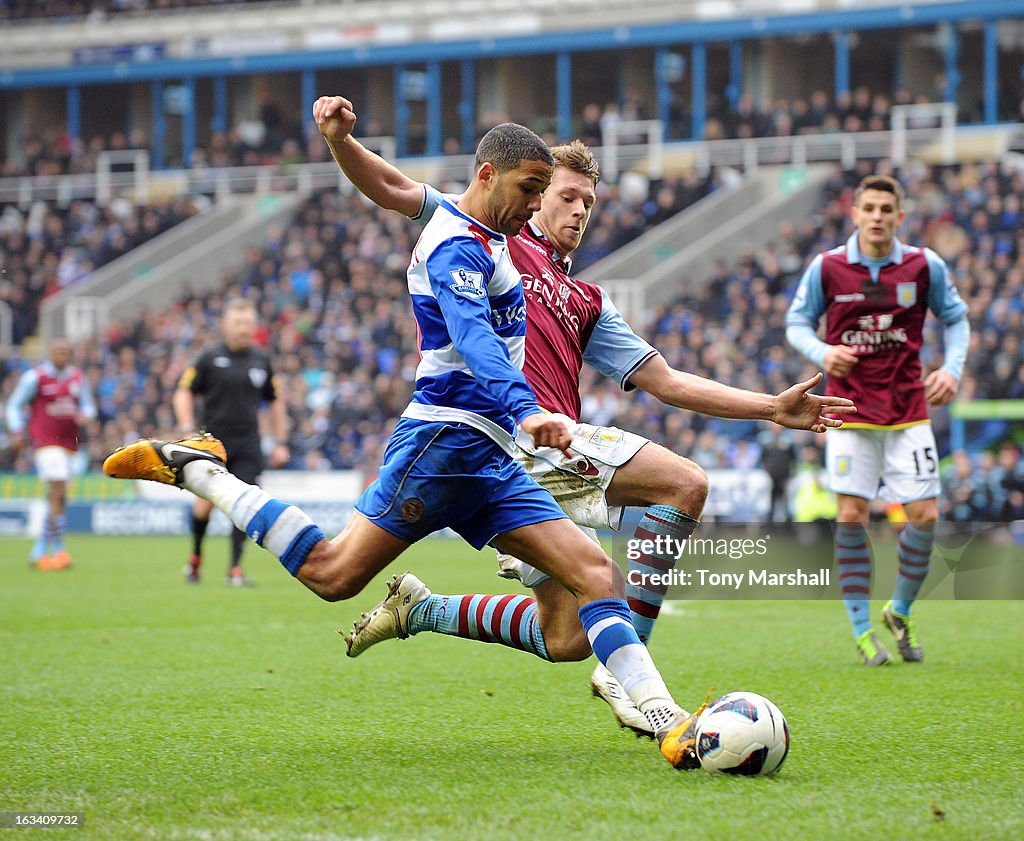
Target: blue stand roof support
{"x": 467, "y": 105}
{"x": 563, "y": 96}
{"x": 952, "y": 58}
{"x": 842, "y": 59}
{"x": 735, "y": 89}
{"x": 188, "y": 122}
{"x": 434, "y": 139}
{"x": 74, "y": 112}
{"x": 159, "y": 124}
{"x": 699, "y": 89}
{"x": 219, "y": 121}
{"x": 307, "y": 86}
{"x": 663, "y": 93}
{"x": 401, "y": 131}
{"x": 991, "y": 80}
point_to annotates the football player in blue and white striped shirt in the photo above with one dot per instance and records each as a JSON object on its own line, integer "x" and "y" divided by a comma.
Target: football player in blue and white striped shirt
{"x": 449, "y": 460}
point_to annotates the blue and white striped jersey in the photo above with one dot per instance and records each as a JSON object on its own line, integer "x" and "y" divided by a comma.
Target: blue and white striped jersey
{"x": 469, "y": 307}
{"x": 571, "y": 322}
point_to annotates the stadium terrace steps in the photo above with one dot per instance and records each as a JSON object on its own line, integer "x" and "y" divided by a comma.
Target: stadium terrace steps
{"x": 191, "y": 255}
{"x": 684, "y": 249}
{"x": 972, "y": 143}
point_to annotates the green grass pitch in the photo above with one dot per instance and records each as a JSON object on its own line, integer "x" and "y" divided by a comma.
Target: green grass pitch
{"x": 164, "y": 711}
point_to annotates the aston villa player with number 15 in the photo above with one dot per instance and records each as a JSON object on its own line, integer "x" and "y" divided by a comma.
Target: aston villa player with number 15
{"x": 875, "y": 292}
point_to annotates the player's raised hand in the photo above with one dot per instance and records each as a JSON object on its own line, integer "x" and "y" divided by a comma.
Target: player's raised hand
{"x": 797, "y": 408}
{"x": 334, "y": 116}
{"x": 940, "y": 388}
{"x": 549, "y": 430}
{"x": 839, "y": 360}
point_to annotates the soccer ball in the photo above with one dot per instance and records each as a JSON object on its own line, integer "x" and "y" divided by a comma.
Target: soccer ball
{"x": 742, "y": 733}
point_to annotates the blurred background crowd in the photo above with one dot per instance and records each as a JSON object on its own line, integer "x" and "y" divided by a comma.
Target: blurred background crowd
{"x": 330, "y": 288}
{"x": 268, "y": 138}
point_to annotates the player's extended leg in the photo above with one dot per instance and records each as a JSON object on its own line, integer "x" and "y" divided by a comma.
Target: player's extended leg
{"x": 914, "y": 555}
{"x": 561, "y": 550}
{"x": 201, "y": 510}
{"x": 566, "y": 640}
{"x": 245, "y": 461}
{"x": 334, "y": 570}
{"x": 588, "y": 591}
{"x": 673, "y": 489}
{"x": 559, "y": 621}
{"x": 56, "y": 492}
{"x": 853, "y": 563}
{"x": 512, "y": 620}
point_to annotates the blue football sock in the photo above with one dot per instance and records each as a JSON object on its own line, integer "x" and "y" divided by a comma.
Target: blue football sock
{"x": 915, "y": 555}
{"x": 617, "y": 646}
{"x": 283, "y": 530}
{"x": 509, "y": 620}
{"x": 645, "y": 597}
{"x": 853, "y": 560}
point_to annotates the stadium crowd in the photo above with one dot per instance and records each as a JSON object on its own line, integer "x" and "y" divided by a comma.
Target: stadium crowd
{"x": 47, "y": 248}
{"x": 330, "y": 288}
{"x": 857, "y": 110}
{"x": 64, "y": 10}
{"x": 272, "y": 135}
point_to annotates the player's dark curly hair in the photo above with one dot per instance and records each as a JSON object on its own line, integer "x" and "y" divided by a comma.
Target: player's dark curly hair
{"x": 505, "y": 145}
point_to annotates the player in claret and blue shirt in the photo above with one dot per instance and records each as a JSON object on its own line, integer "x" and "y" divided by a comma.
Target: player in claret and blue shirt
{"x": 55, "y": 399}
{"x": 448, "y": 462}
{"x": 875, "y": 292}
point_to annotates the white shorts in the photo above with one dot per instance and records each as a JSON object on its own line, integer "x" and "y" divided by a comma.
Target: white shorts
{"x": 54, "y": 464}
{"x": 906, "y": 461}
{"x": 578, "y": 484}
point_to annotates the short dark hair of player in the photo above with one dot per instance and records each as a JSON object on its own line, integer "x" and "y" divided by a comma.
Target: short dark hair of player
{"x": 881, "y": 183}
{"x": 575, "y": 156}
{"x": 507, "y": 144}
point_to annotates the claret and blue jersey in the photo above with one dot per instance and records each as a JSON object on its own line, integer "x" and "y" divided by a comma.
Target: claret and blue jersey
{"x": 877, "y": 308}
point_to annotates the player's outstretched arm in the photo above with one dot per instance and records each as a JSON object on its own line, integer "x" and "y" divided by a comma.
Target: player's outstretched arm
{"x": 381, "y": 182}
{"x": 795, "y": 408}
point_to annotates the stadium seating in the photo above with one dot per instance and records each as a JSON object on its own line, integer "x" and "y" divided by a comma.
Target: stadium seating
{"x": 331, "y": 292}
{"x": 45, "y": 248}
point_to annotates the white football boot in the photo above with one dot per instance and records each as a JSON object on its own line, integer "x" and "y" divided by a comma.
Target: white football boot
{"x": 389, "y": 619}
{"x": 604, "y": 686}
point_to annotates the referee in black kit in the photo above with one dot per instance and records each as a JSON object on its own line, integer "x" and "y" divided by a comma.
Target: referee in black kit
{"x": 233, "y": 380}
